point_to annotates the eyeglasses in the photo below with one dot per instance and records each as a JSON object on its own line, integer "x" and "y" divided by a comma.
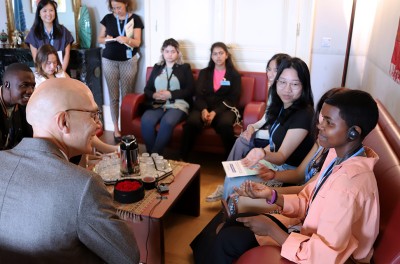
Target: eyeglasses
{"x": 295, "y": 86}
{"x": 96, "y": 115}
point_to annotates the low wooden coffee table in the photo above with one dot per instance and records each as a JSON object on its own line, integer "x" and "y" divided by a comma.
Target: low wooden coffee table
{"x": 183, "y": 197}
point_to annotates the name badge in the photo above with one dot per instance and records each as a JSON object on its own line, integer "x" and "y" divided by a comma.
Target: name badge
{"x": 129, "y": 53}
{"x": 225, "y": 82}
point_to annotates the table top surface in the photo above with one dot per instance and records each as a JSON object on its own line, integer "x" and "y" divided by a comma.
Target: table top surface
{"x": 159, "y": 204}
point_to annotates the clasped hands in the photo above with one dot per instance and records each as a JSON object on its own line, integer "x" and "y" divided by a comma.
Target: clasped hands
{"x": 162, "y": 95}
{"x": 207, "y": 117}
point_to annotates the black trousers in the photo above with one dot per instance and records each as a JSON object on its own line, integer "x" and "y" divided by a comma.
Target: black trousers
{"x": 229, "y": 244}
{"x": 222, "y": 123}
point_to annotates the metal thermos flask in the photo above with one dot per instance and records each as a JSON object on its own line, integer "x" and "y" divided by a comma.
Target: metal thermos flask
{"x": 129, "y": 155}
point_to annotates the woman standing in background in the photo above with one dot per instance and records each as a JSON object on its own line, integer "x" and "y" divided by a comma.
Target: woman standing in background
{"x": 121, "y": 31}
{"x": 47, "y": 30}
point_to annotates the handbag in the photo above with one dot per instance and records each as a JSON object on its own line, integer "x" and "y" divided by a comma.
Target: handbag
{"x": 158, "y": 103}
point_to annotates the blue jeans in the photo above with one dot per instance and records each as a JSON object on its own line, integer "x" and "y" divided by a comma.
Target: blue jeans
{"x": 156, "y": 142}
{"x": 231, "y": 182}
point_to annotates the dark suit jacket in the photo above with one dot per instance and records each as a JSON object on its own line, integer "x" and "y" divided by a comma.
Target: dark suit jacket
{"x": 52, "y": 211}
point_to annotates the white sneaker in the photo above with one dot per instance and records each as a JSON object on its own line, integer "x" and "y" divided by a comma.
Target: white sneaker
{"x": 216, "y": 195}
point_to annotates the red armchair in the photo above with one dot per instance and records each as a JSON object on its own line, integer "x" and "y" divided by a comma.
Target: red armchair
{"x": 252, "y": 103}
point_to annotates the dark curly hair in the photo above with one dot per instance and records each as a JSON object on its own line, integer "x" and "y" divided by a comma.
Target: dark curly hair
{"x": 357, "y": 108}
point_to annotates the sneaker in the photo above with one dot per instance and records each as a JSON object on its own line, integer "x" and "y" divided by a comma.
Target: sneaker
{"x": 216, "y": 195}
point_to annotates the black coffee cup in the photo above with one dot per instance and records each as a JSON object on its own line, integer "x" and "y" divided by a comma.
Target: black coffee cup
{"x": 149, "y": 182}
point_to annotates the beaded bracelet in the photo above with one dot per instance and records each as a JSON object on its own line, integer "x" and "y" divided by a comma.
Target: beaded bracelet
{"x": 273, "y": 198}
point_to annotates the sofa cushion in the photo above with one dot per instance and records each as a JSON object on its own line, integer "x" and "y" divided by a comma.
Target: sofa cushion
{"x": 247, "y": 91}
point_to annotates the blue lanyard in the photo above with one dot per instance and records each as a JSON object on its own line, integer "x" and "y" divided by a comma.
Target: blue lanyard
{"x": 50, "y": 36}
{"x": 327, "y": 172}
{"x": 121, "y": 33}
{"x": 273, "y": 129}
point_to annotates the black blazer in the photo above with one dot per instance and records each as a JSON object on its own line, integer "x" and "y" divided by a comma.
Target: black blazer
{"x": 184, "y": 74}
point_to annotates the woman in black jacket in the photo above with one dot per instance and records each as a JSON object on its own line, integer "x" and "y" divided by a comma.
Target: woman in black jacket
{"x": 169, "y": 91}
{"x": 217, "y": 89}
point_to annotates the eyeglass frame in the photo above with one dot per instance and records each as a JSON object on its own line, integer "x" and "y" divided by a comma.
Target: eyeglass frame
{"x": 96, "y": 115}
{"x": 283, "y": 84}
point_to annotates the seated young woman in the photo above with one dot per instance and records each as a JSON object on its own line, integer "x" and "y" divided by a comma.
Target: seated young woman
{"x": 246, "y": 141}
{"x": 217, "y": 90}
{"x": 335, "y": 209}
{"x": 249, "y": 138}
{"x": 289, "y": 120}
{"x": 47, "y": 66}
{"x": 169, "y": 91}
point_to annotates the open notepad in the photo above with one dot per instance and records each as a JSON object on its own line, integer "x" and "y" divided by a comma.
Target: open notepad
{"x": 236, "y": 169}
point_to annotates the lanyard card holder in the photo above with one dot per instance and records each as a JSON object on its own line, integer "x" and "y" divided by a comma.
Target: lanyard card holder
{"x": 128, "y": 53}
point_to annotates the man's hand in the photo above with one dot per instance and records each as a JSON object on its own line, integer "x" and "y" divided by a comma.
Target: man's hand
{"x": 254, "y": 190}
{"x": 254, "y": 156}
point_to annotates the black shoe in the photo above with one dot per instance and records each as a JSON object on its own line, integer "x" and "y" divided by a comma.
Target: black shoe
{"x": 117, "y": 139}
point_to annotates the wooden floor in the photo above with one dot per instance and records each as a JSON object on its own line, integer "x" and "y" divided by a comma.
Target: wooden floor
{"x": 181, "y": 229}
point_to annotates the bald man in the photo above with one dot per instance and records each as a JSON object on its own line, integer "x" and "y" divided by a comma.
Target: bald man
{"x": 52, "y": 211}
{"x": 18, "y": 85}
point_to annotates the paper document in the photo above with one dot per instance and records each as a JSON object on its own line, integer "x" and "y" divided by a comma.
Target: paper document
{"x": 110, "y": 40}
{"x": 129, "y": 29}
{"x": 236, "y": 169}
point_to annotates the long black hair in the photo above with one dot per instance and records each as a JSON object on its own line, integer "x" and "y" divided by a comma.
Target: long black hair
{"x": 228, "y": 63}
{"x": 38, "y": 27}
{"x": 306, "y": 98}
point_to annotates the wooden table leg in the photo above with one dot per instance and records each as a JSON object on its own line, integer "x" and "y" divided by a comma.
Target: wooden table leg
{"x": 189, "y": 201}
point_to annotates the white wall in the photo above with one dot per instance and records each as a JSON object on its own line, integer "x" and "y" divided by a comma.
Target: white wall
{"x": 374, "y": 32}
{"x": 376, "y": 78}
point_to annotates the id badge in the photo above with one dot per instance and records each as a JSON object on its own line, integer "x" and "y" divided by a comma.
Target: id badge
{"x": 129, "y": 54}
{"x": 225, "y": 82}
